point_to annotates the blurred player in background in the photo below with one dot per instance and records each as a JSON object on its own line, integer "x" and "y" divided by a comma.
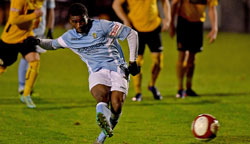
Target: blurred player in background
{"x": 95, "y": 41}
{"x": 144, "y": 17}
{"x": 191, "y": 15}
{"x": 24, "y": 16}
{"x": 38, "y": 32}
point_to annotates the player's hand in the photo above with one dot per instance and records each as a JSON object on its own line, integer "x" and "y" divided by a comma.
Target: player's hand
{"x": 212, "y": 35}
{"x": 171, "y": 30}
{"x": 31, "y": 41}
{"x": 49, "y": 34}
{"x": 38, "y": 12}
{"x": 165, "y": 25}
{"x": 133, "y": 68}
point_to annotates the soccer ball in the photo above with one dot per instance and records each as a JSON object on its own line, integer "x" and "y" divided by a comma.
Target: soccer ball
{"x": 205, "y": 127}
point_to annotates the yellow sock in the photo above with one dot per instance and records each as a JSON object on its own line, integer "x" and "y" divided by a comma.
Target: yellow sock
{"x": 137, "y": 82}
{"x": 31, "y": 75}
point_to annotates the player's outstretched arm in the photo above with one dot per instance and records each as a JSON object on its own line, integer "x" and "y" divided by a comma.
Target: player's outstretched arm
{"x": 212, "y": 13}
{"x": 133, "y": 52}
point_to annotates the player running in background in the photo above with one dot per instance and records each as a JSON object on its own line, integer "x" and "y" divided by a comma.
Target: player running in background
{"x": 95, "y": 41}
{"x": 143, "y": 16}
{"x": 38, "y": 32}
{"x": 191, "y": 15}
{"x": 23, "y": 18}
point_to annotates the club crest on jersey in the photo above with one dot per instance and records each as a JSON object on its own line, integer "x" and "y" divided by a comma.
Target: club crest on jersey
{"x": 94, "y": 35}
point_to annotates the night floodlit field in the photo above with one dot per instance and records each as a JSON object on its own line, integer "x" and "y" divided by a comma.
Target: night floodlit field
{"x": 65, "y": 112}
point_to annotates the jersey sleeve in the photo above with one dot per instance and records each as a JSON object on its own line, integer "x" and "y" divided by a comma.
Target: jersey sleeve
{"x": 51, "y": 4}
{"x": 15, "y": 9}
{"x": 213, "y": 3}
{"x": 115, "y": 29}
{"x": 60, "y": 42}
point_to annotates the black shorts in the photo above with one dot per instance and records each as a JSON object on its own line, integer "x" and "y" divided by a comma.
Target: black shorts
{"x": 189, "y": 35}
{"x": 9, "y": 52}
{"x": 152, "y": 39}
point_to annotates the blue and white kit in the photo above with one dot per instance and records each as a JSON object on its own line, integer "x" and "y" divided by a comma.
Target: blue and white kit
{"x": 100, "y": 50}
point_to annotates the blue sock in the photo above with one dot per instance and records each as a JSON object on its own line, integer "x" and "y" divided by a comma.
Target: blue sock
{"x": 23, "y": 66}
{"x": 102, "y": 107}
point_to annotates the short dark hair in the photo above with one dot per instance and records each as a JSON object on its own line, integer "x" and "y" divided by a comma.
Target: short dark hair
{"x": 77, "y": 9}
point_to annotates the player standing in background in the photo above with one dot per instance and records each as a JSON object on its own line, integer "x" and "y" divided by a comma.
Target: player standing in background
{"x": 143, "y": 16}
{"x": 95, "y": 41}
{"x": 191, "y": 15}
{"x": 38, "y": 32}
{"x": 23, "y": 18}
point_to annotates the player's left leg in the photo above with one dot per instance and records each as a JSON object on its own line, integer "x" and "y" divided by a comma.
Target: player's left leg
{"x": 34, "y": 63}
{"x": 190, "y": 73}
{"x": 157, "y": 64}
{"x": 117, "y": 100}
{"x": 156, "y": 48}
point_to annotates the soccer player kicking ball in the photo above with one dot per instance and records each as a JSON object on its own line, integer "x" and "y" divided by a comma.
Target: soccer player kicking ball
{"x": 95, "y": 41}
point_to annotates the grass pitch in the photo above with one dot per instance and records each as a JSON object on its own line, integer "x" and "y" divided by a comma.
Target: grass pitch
{"x": 65, "y": 112}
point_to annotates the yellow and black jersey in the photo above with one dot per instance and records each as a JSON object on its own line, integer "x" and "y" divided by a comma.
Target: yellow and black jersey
{"x": 144, "y": 14}
{"x": 21, "y": 21}
{"x": 194, "y": 10}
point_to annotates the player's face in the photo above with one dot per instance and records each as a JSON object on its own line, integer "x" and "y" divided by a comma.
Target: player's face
{"x": 78, "y": 22}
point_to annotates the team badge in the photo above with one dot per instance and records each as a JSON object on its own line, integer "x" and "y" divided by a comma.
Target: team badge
{"x": 94, "y": 35}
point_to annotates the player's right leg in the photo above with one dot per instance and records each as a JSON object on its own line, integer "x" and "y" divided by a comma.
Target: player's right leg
{"x": 180, "y": 71}
{"x": 101, "y": 93}
{"x": 190, "y": 73}
{"x": 33, "y": 59}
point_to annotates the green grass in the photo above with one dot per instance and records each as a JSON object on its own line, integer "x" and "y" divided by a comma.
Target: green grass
{"x": 221, "y": 78}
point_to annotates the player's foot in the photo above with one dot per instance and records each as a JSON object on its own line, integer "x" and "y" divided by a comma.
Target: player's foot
{"x": 97, "y": 142}
{"x": 137, "y": 97}
{"x": 101, "y": 138}
{"x": 190, "y": 92}
{"x": 104, "y": 124}
{"x": 32, "y": 93}
{"x": 156, "y": 93}
{"x": 180, "y": 94}
{"x": 21, "y": 95}
{"x": 28, "y": 101}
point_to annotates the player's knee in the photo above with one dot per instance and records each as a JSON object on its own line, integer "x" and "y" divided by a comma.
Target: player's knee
{"x": 34, "y": 65}
{"x": 139, "y": 60}
{"x": 116, "y": 108}
{"x": 157, "y": 60}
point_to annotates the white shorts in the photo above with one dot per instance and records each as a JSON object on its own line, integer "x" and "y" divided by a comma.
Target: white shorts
{"x": 115, "y": 80}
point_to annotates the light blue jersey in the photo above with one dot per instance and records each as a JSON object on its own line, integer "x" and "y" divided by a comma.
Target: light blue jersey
{"x": 42, "y": 25}
{"x": 99, "y": 49}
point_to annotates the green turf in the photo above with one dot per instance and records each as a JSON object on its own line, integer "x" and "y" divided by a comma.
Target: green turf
{"x": 65, "y": 111}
